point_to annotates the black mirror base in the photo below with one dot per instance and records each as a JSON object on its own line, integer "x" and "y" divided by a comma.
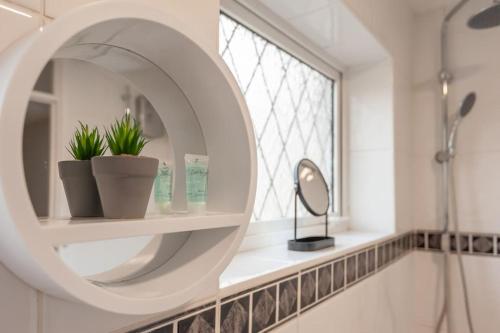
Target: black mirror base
{"x": 310, "y": 243}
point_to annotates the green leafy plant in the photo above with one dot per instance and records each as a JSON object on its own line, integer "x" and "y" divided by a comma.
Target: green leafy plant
{"x": 125, "y": 137}
{"x": 86, "y": 143}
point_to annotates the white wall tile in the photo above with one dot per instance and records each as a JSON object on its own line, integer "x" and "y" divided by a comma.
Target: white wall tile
{"x": 370, "y": 107}
{"x": 16, "y": 26}
{"x": 31, "y": 4}
{"x": 19, "y": 312}
{"x": 381, "y": 303}
{"x": 293, "y": 9}
{"x": 63, "y": 316}
{"x": 372, "y": 190}
{"x": 205, "y": 13}
{"x": 482, "y": 279}
{"x": 291, "y": 326}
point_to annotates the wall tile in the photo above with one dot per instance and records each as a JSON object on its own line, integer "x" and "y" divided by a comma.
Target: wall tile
{"x": 235, "y": 315}
{"x": 434, "y": 241}
{"x": 338, "y": 275}
{"x": 464, "y": 243}
{"x": 307, "y": 289}
{"x": 420, "y": 240}
{"x": 351, "y": 269}
{"x": 264, "y": 309}
{"x": 31, "y": 4}
{"x": 380, "y": 256}
{"x": 371, "y": 198}
{"x": 387, "y": 253}
{"x": 482, "y": 244}
{"x": 203, "y": 322}
{"x": 288, "y": 298}
{"x": 362, "y": 264}
{"x": 371, "y": 260}
{"x": 18, "y": 26}
{"x": 324, "y": 281}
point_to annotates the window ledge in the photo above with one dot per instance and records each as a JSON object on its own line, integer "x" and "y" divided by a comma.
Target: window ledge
{"x": 254, "y": 267}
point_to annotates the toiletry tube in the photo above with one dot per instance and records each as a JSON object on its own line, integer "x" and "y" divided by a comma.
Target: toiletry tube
{"x": 163, "y": 188}
{"x": 196, "y": 182}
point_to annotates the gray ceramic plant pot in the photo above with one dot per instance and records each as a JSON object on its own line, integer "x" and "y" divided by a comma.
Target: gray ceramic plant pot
{"x": 124, "y": 184}
{"x": 80, "y": 188}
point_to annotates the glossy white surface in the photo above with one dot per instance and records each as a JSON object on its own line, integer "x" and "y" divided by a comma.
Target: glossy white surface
{"x": 333, "y": 27}
{"x": 67, "y": 231}
{"x": 370, "y": 108}
{"x": 19, "y": 25}
{"x": 422, "y": 6}
{"x": 253, "y": 267}
{"x": 381, "y": 303}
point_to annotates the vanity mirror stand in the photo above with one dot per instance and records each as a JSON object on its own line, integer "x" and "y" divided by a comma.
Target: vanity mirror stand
{"x": 311, "y": 188}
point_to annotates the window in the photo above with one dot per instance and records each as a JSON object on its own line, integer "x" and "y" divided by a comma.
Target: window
{"x": 292, "y": 109}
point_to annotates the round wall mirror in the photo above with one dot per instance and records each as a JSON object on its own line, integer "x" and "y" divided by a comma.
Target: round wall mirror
{"x": 312, "y": 188}
{"x": 94, "y": 65}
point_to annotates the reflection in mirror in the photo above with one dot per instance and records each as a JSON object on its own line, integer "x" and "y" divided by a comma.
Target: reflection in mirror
{"x": 36, "y": 155}
{"x": 312, "y": 188}
{"x": 93, "y": 89}
{"x": 93, "y": 95}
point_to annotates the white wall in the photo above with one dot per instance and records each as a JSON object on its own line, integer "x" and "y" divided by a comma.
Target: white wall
{"x": 391, "y": 23}
{"x": 474, "y": 63}
{"x": 369, "y": 106}
{"x": 382, "y": 303}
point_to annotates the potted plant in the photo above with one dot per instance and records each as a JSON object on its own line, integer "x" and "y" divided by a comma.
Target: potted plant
{"x": 125, "y": 180}
{"x": 76, "y": 175}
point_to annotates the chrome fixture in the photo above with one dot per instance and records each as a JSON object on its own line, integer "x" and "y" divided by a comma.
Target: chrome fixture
{"x": 487, "y": 18}
{"x": 466, "y": 106}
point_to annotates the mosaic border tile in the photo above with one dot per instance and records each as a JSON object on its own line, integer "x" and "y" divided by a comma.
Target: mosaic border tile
{"x": 472, "y": 243}
{"x": 267, "y": 306}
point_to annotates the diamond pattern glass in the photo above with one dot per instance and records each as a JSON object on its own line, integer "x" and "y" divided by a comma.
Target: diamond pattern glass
{"x": 292, "y": 112}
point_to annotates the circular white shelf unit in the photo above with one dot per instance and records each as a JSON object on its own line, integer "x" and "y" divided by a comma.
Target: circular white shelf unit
{"x": 203, "y": 111}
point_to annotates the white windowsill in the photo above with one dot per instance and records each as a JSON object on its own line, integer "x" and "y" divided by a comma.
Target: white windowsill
{"x": 255, "y": 267}
{"x": 271, "y": 233}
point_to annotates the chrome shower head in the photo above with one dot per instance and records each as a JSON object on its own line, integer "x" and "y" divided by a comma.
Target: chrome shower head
{"x": 467, "y": 104}
{"x": 465, "y": 108}
{"x": 486, "y": 18}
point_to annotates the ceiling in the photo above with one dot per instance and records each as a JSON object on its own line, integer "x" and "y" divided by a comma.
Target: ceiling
{"x": 332, "y": 27}
{"x": 422, "y": 6}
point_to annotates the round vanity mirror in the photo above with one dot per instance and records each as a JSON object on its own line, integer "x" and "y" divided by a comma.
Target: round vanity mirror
{"x": 312, "y": 188}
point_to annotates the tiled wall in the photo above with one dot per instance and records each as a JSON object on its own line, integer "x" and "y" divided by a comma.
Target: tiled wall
{"x": 270, "y": 305}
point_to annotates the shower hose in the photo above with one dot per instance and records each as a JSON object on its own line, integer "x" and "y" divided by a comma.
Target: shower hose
{"x": 458, "y": 245}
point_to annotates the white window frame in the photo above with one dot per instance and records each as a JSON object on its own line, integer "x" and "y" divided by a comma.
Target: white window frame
{"x": 264, "y": 22}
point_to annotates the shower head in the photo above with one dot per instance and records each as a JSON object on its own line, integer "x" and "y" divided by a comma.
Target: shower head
{"x": 465, "y": 108}
{"x": 486, "y": 18}
{"x": 467, "y": 104}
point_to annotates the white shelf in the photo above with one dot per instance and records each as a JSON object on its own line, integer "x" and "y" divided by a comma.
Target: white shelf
{"x": 61, "y": 231}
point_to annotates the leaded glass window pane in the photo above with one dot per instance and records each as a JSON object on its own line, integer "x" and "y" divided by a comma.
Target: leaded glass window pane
{"x": 292, "y": 112}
